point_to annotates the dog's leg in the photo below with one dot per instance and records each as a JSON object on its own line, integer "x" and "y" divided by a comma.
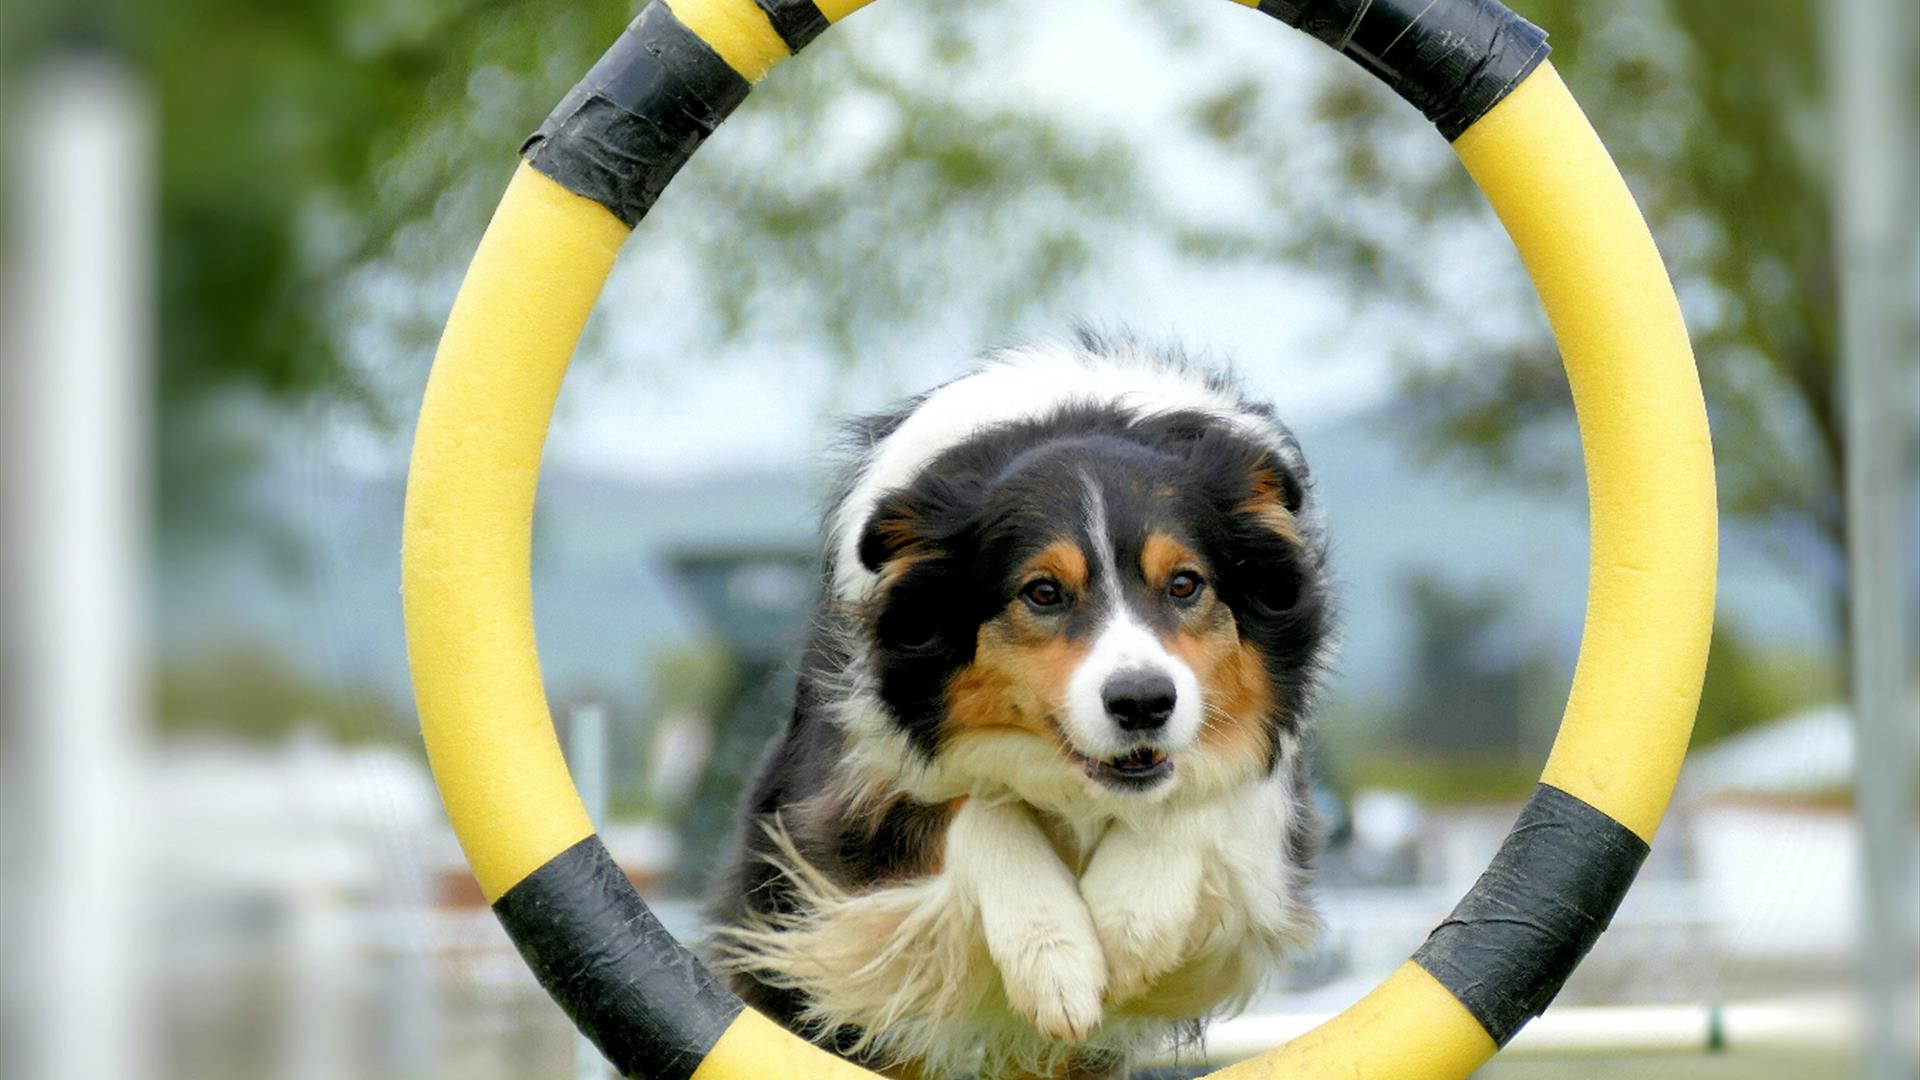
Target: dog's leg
{"x": 1143, "y": 891}
{"x": 1036, "y": 926}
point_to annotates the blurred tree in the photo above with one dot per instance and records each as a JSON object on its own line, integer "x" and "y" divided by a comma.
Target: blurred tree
{"x": 1714, "y": 112}
{"x": 250, "y": 692}
{"x": 1749, "y": 684}
{"x": 326, "y": 163}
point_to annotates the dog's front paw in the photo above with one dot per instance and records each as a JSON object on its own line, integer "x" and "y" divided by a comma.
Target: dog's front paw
{"x": 1142, "y": 917}
{"x": 1036, "y": 927}
{"x": 1056, "y": 979}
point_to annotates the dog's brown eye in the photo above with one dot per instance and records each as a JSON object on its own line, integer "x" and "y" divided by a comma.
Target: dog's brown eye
{"x": 1184, "y": 585}
{"x": 1043, "y": 593}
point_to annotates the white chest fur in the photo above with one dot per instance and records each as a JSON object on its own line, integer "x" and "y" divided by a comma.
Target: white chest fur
{"x": 1012, "y": 958}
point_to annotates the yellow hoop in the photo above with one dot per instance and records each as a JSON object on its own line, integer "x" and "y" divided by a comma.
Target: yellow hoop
{"x": 512, "y": 332}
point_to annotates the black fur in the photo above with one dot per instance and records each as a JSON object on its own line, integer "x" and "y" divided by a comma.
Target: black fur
{"x": 951, "y": 543}
{"x": 979, "y": 511}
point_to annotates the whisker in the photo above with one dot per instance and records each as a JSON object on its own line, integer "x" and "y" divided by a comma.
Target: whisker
{"x": 1216, "y": 719}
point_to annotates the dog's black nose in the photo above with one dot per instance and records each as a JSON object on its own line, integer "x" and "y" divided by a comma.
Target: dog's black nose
{"x": 1138, "y": 700}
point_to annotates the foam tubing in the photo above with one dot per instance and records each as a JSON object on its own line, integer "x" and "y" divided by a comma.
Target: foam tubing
{"x": 594, "y": 168}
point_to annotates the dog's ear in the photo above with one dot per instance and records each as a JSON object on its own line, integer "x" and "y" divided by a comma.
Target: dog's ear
{"x": 1259, "y": 499}
{"x": 916, "y": 541}
{"x": 1273, "y": 498}
{"x": 929, "y": 518}
{"x": 1267, "y": 535}
{"x": 893, "y": 531}
{"x": 1242, "y": 477}
{"x": 1274, "y": 480}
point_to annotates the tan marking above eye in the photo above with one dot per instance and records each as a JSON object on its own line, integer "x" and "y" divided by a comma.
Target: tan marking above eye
{"x": 1063, "y": 561}
{"x": 1162, "y": 556}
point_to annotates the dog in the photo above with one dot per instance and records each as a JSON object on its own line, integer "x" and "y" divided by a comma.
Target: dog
{"x": 1042, "y": 802}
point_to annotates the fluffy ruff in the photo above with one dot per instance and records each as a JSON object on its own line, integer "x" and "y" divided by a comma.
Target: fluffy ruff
{"x": 1042, "y": 801}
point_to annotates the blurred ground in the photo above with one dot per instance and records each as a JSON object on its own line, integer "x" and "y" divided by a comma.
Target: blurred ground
{"x": 1772, "y": 1066}
{"x": 1691, "y": 1067}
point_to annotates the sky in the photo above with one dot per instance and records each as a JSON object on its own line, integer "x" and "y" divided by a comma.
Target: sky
{"x": 1292, "y": 335}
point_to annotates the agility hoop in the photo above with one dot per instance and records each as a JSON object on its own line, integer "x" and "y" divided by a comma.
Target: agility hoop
{"x": 595, "y": 167}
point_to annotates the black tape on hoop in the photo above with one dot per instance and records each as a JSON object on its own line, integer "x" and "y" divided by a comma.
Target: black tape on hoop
{"x": 623, "y": 131}
{"x": 1452, "y": 59}
{"x": 1519, "y": 932}
{"x": 797, "y": 22}
{"x": 647, "y": 1002}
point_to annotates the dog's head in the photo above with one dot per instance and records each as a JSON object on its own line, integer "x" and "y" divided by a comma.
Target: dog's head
{"x": 1122, "y": 604}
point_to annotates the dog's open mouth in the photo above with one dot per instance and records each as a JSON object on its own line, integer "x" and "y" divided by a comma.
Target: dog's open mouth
{"x": 1140, "y": 768}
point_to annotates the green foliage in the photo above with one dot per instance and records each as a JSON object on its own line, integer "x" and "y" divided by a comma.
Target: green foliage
{"x": 1749, "y": 684}
{"x": 325, "y": 165}
{"x": 252, "y": 694}
{"x": 956, "y": 204}
{"x": 1715, "y": 114}
{"x": 1442, "y": 780}
{"x": 318, "y": 154}
{"x": 697, "y": 678}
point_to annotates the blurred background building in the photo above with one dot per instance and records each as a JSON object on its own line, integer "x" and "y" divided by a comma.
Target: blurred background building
{"x": 233, "y": 231}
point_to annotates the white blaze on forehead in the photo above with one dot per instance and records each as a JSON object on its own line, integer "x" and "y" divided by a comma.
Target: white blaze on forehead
{"x": 1100, "y": 538}
{"x": 1025, "y": 384}
{"x": 1123, "y": 644}
{"x": 1126, "y": 644}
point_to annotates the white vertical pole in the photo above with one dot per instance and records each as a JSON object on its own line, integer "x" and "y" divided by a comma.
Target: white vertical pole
{"x": 73, "y": 408}
{"x": 316, "y": 1035}
{"x": 587, "y": 757}
{"x": 1870, "y": 60}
